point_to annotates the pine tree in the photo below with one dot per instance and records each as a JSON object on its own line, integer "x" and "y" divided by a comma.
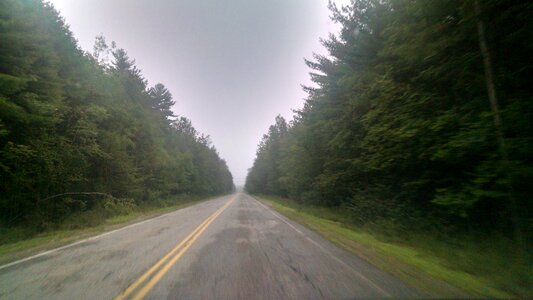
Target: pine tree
{"x": 162, "y": 100}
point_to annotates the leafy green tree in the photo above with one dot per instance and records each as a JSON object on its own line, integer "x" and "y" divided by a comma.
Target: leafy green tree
{"x": 398, "y": 122}
{"x": 162, "y": 100}
{"x": 78, "y": 124}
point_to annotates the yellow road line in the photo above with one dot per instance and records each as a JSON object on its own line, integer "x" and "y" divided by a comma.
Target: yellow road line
{"x": 143, "y": 277}
{"x": 188, "y": 241}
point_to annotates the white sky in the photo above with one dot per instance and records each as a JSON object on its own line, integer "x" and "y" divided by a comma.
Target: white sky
{"x": 232, "y": 65}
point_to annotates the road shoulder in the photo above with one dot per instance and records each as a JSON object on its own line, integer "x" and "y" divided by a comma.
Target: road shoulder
{"x": 425, "y": 274}
{"x": 40, "y": 244}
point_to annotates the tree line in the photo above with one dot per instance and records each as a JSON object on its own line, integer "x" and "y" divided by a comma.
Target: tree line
{"x": 420, "y": 116}
{"x": 75, "y": 126}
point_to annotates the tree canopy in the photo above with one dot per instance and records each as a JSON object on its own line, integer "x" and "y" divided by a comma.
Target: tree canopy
{"x": 71, "y": 122}
{"x": 399, "y": 124}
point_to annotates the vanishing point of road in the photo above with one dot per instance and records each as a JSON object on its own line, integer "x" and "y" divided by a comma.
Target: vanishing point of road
{"x": 232, "y": 247}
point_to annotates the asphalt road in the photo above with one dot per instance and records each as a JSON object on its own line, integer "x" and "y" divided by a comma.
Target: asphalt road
{"x": 232, "y": 247}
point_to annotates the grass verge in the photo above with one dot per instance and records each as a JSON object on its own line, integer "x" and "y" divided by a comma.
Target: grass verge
{"x": 19, "y": 244}
{"x": 422, "y": 266}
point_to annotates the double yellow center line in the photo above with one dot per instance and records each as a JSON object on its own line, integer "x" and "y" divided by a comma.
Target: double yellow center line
{"x": 148, "y": 280}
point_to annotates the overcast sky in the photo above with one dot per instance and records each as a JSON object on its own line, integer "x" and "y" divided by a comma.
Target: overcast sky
{"x": 232, "y": 65}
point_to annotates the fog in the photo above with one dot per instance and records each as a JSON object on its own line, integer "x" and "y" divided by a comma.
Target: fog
{"x": 232, "y": 66}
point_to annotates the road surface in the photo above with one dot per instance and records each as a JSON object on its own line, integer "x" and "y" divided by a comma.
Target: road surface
{"x": 232, "y": 247}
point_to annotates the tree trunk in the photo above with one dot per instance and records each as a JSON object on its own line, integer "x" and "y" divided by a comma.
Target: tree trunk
{"x": 495, "y": 108}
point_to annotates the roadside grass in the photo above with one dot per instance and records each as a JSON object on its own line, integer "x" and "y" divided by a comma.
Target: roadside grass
{"x": 441, "y": 268}
{"x": 19, "y": 242}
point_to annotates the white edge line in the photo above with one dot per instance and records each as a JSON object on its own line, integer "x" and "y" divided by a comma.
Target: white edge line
{"x": 364, "y": 278}
{"x": 86, "y": 240}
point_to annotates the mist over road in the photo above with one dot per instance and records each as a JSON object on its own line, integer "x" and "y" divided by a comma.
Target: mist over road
{"x": 232, "y": 247}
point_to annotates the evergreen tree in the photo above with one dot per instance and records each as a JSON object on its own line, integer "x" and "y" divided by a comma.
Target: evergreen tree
{"x": 399, "y": 122}
{"x": 74, "y": 124}
{"x": 162, "y": 100}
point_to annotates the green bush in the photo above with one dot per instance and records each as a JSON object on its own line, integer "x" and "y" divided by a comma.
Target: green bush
{"x": 118, "y": 206}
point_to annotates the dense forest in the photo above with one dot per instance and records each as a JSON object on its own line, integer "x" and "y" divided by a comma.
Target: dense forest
{"x": 421, "y": 117}
{"x": 80, "y": 130}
